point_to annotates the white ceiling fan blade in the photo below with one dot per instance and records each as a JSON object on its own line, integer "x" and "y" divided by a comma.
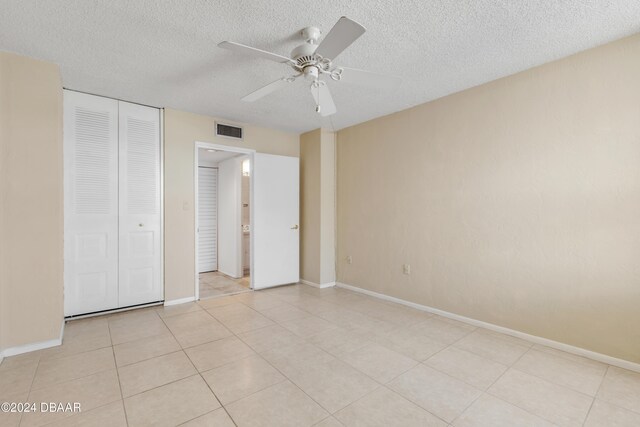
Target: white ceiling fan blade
{"x": 367, "y": 78}
{"x": 339, "y": 38}
{"x": 266, "y": 90}
{"x": 323, "y": 99}
{"x": 254, "y": 52}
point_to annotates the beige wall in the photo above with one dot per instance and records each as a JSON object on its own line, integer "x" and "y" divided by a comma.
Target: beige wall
{"x": 317, "y": 183}
{"x": 516, "y": 202}
{"x": 31, "y": 204}
{"x": 181, "y": 130}
{"x": 328, "y": 208}
{"x": 310, "y": 206}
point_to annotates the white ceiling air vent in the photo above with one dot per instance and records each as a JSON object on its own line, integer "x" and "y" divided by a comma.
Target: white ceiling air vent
{"x": 228, "y": 131}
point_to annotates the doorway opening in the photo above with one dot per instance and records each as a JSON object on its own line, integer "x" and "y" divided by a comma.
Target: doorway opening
{"x": 223, "y": 220}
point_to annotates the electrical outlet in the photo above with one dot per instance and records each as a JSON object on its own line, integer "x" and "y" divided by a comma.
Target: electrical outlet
{"x": 349, "y": 260}
{"x": 406, "y": 269}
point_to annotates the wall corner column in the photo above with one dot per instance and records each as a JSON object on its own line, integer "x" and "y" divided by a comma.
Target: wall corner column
{"x": 318, "y": 207}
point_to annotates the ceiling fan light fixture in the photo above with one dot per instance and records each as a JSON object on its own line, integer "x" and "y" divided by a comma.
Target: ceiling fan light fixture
{"x": 311, "y": 73}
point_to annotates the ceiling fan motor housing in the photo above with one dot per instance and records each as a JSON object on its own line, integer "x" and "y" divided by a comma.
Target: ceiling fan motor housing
{"x": 304, "y": 52}
{"x": 307, "y": 62}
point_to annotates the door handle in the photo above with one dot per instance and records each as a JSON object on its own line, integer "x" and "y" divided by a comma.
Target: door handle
{"x": 295, "y": 227}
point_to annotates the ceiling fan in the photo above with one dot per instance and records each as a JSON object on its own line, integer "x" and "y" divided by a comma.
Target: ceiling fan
{"x": 314, "y": 60}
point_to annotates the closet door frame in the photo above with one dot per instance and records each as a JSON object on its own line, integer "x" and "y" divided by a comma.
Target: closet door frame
{"x": 67, "y": 312}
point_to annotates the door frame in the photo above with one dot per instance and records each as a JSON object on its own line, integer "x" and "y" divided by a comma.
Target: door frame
{"x": 211, "y": 146}
{"x": 65, "y": 171}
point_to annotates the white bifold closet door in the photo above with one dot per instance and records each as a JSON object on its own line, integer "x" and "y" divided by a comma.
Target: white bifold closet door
{"x": 112, "y": 204}
{"x": 207, "y": 219}
{"x": 140, "y": 259}
{"x": 91, "y": 203}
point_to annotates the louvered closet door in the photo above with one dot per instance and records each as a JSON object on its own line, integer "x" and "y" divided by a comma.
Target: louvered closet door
{"x": 140, "y": 242}
{"x": 91, "y": 203}
{"x": 207, "y": 219}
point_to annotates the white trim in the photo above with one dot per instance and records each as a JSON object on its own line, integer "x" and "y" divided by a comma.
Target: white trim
{"x": 625, "y": 364}
{"x": 179, "y": 301}
{"x": 162, "y": 263}
{"x": 318, "y": 285}
{"x": 114, "y": 310}
{"x": 209, "y": 145}
{"x": 26, "y": 348}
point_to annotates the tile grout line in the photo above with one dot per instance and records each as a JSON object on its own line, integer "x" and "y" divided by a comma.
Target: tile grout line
{"x": 113, "y": 351}
{"x": 84, "y": 412}
{"x": 446, "y": 374}
{"x": 291, "y": 380}
{"x": 199, "y": 373}
{"x": 512, "y": 366}
{"x": 513, "y": 404}
{"x": 74, "y": 379}
{"x": 287, "y": 379}
{"x": 595, "y": 395}
{"x": 217, "y": 399}
{"x": 269, "y": 363}
{"x": 553, "y": 383}
{"x": 380, "y": 384}
{"x": 30, "y": 388}
{"x": 486, "y": 391}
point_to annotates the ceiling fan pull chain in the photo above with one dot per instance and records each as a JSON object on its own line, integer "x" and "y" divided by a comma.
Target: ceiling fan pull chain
{"x": 317, "y": 85}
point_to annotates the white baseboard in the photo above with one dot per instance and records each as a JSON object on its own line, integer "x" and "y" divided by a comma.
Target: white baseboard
{"x": 599, "y": 357}
{"x": 179, "y": 301}
{"x": 318, "y": 285}
{"x": 26, "y": 348}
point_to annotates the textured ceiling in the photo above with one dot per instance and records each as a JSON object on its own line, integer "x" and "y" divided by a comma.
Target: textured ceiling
{"x": 164, "y": 53}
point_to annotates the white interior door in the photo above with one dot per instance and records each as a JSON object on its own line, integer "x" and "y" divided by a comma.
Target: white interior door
{"x": 229, "y": 217}
{"x": 140, "y": 272}
{"x": 90, "y": 203}
{"x": 207, "y": 219}
{"x": 276, "y": 210}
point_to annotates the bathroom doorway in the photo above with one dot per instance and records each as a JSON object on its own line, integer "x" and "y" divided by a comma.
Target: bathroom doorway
{"x": 223, "y": 222}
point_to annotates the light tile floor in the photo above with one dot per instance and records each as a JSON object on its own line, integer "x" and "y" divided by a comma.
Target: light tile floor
{"x": 300, "y": 356}
{"x": 215, "y": 284}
